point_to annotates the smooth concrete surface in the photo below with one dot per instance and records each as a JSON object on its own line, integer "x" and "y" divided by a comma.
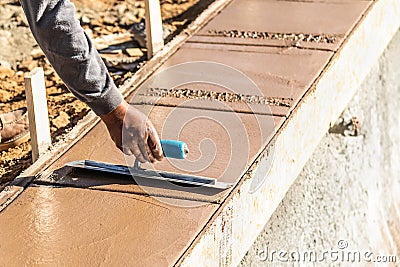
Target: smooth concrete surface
{"x": 350, "y": 188}
{"x": 53, "y": 226}
{"x": 332, "y": 18}
{"x": 191, "y": 126}
{"x": 221, "y": 145}
{"x": 277, "y": 72}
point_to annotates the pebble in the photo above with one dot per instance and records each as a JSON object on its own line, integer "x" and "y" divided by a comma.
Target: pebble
{"x": 6, "y": 71}
{"x": 37, "y": 53}
{"x": 61, "y": 120}
{"x": 5, "y": 96}
{"x": 134, "y": 52}
{"x": 27, "y": 65}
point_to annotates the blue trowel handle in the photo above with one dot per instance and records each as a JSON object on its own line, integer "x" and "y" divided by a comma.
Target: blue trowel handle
{"x": 174, "y": 149}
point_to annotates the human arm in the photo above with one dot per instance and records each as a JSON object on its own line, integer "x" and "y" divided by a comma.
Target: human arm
{"x": 77, "y": 62}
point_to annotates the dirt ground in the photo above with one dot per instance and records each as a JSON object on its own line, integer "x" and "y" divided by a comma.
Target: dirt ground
{"x": 109, "y": 24}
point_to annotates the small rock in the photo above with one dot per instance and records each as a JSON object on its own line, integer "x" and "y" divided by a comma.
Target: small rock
{"x": 5, "y": 96}
{"x": 27, "y": 65}
{"x": 128, "y": 18}
{"x": 61, "y": 120}
{"x": 121, "y": 9}
{"x": 109, "y": 20}
{"x": 49, "y": 83}
{"x": 140, "y": 13}
{"x": 37, "y": 53}
{"x": 53, "y": 90}
{"x": 96, "y": 23}
{"x": 134, "y": 52}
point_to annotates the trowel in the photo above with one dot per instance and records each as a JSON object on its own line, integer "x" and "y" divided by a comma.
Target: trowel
{"x": 172, "y": 149}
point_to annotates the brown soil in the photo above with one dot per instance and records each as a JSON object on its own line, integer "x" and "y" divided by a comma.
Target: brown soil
{"x": 20, "y": 54}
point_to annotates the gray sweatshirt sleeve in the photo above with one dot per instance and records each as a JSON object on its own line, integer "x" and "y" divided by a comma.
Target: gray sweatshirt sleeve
{"x": 71, "y": 53}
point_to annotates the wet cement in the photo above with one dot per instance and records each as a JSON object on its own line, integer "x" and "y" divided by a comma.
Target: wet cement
{"x": 277, "y": 72}
{"x": 302, "y": 18}
{"x": 221, "y": 145}
{"x": 92, "y": 219}
{"x": 50, "y": 226}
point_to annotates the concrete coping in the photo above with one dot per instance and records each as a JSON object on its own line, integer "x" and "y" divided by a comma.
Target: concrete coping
{"x": 242, "y": 214}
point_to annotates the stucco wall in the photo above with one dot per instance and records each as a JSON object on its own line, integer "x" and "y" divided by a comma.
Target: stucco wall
{"x": 347, "y": 198}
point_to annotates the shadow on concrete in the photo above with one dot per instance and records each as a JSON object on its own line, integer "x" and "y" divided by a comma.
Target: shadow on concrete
{"x": 95, "y": 180}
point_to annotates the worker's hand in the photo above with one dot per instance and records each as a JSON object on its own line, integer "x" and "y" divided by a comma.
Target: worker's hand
{"x": 133, "y": 133}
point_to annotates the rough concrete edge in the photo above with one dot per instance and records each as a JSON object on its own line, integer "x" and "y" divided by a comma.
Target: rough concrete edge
{"x": 236, "y": 224}
{"x": 17, "y": 186}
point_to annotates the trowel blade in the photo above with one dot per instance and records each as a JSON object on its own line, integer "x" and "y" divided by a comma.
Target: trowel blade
{"x": 150, "y": 174}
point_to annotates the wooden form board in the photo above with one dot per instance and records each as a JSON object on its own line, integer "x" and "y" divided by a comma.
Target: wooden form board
{"x": 37, "y": 112}
{"x": 154, "y": 30}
